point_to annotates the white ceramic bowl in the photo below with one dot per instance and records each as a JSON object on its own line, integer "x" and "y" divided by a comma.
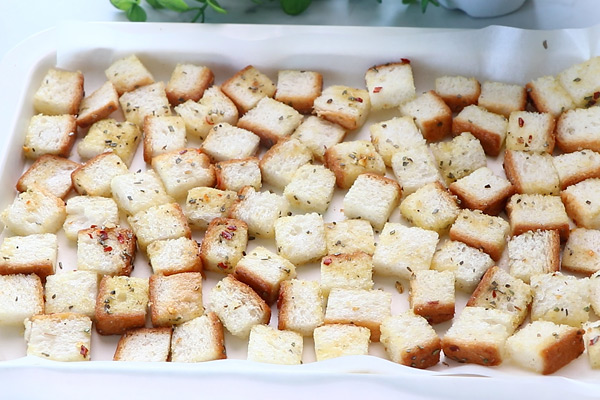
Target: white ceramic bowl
{"x": 483, "y": 8}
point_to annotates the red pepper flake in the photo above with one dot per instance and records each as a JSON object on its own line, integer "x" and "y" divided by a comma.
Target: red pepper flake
{"x": 594, "y": 340}
{"x": 222, "y": 265}
{"x": 93, "y": 226}
{"x": 377, "y": 89}
{"x": 226, "y": 235}
{"x": 352, "y": 98}
{"x": 103, "y": 235}
{"x": 84, "y": 351}
{"x": 107, "y": 249}
{"x": 327, "y": 261}
{"x": 183, "y": 152}
{"x": 90, "y": 235}
{"x": 120, "y": 238}
{"x": 493, "y": 293}
{"x": 521, "y": 122}
{"x": 405, "y": 60}
{"x": 232, "y": 228}
{"x": 596, "y": 95}
{"x": 208, "y": 121}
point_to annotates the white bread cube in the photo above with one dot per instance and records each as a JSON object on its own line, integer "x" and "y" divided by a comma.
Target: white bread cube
{"x": 144, "y": 345}
{"x": 590, "y": 339}
{"x": 529, "y": 212}
{"x": 347, "y": 271}
{"x": 281, "y": 161}
{"x": 271, "y": 120}
{"x": 224, "y": 244}
{"x": 203, "y": 204}
{"x": 166, "y": 221}
{"x": 200, "y": 339}
{"x": 228, "y": 142}
{"x": 481, "y": 231}
{"x": 349, "y": 236}
{"x": 577, "y": 129}
{"x": 21, "y": 297}
{"x": 410, "y": 340}
{"x": 32, "y": 254}
{"x": 415, "y": 167}
{"x": 582, "y": 252}
{"x": 150, "y": 100}
{"x": 301, "y": 306}
{"x": 183, "y": 170}
{"x": 431, "y": 207}
{"x": 98, "y": 105}
{"x": 60, "y": 92}
{"x": 534, "y": 252}
{"x": 247, "y": 87}
{"x": 300, "y": 238}
{"x": 339, "y": 340}
{"x": 384, "y": 194}
{"x": 50, "y": 134}
{"x": 549, "y": 96}
{"x": 394, "y": 135}
{"x": 403, "y": 250}
{"x": 582, "y": 203}
{"x": 106, "y": 251}
{"x": 343, "y": 105}
{"x": 34, "y": 211}
{"x": 318, "y": 135}
{"x": 260, "y": 210}
{"x": 86, "y": 211}
{"x": 105, "y": 135}
{"x": 188, "y": 82}
{"x": 502, "y": 98}
{"x": 71, "y": 291}
{"x": 138, "y": 191}
{"x": 390, "y": 85}
{"x": 348, "y": 160}
{"x": 299, "y": 89}
{"x": 531, "y": 172}
{"x": 163, "y": 134}
{"x": 128, "y": 74}
{"x": 121, "y": 304}
{"x": 432, "y": 295}
{"x": 459, "y": 157}
{"x": 530, "y": 131}
{"x": 311, "y": 188}
{"x": 581, "y": 82}
{"x": 160, "y": 256}
{"x": 51, "y": 173}
{"x": 458, "y": 91}
{"x": 577, "y": 166}
{"x": 432, "y": 116}
{"x": 488, "y": 127}
{"x": 270, "y": 345}
{"x": 235, "y": 174}
{"x": 93, "y": 178}
{"x": 175, "y": 299}
{"x": 59, "y": 337}
{"x": 594, "y": 287}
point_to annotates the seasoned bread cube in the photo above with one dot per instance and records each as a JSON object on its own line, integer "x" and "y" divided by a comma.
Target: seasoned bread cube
{"x": 60, "y": 92}
{"x": 395, "y": 135}
{"x": 338, "y": 340}
{"x": 281, "y": 161}
{"x": 530, "y": 131}
{"x": 34, "y": 211}
{"x": 562, "y": 299}
{"x": 582, "y": 252}
{"x": 121, "y": 138}
{"x": 271, "y": 120}
{"x": 301, "y": 306}
{"x": 21, "y": 297}
{"x": 86, "y": 211}
{"x": 577, "y": 166}
{"x": 534, "y": 252}
{"x": 128, "y": 74}
{"x": 483, "y": 190}
{"x": 228, "y": 142}
{"x": 347, "y": 271}
{"x": 247, "y": 87}
{"x": 590, "y": 339}
{"x": 390, "y": 85}
{"x": 531, "y": 172}
{"x": 432, "y": 295}
{"x": 349, "y": 236}
{"x": 410, "y": 340}
{"x": 51, "y": 173}
{"x": 71, "y": 291}
{"x": 203, "y": 204}
{"x": 50, "y": 134}
{"x": 549, "y": 96}
{"x": 106, "y": 251}
{"x": 197, "y": 340}
{"x": 581, "y": 82}
{"x": 183, "y": 170}
{"x": 488, "y": 127}
{"x": 502, "y": 98}
{"x": 33, "y": 254}
{"x": 144, "y": 345}
{"x": 270, "y": 345}
{"x": 162, "y": 134}
{"x": 343, "y": 105}
{"x": 138, "y": 191}
{"x": 583, "y": 204}
{"x": 166, "y": 221}
{"x": 430, "y": 207}
{"x": 238, "y": 306}
{"x": 459, "y": 157}
{"x": 188, "y": 82}
{"x": 594, "y": 286}
{"x": 529, "y": 212}
{"x": 224, "y": 244}
{"x": 467, "y": 263}
{"x": 348, "y": 160}
{"x": 403, "y": 250}
{"x": 160, "y": 255}
{"x": 318, "y": 134}
{"x": 578, "y": 129}
{"x": 299, "y": 89}
{"x": 259, "y": 210}
{"x": 300, "y": 238}
{"x": 432, "y": 116}
{"x": 121, "y": 304}
{"x": 311, "y": 188}
{"x": 264, "y": 271}
{"x": 59, "y": 337}
{"x": 481, "y": 231}
{"x": 176, "y": 298}
{"x": 384, "y": 193}
{"x": 545, "y": 347}
{"x": 458, "y": 91}
{"x": 235, "y": 174}
{"x": 145, "y": 101}
{"x": 98, "y": 105}
{"x": 415, "y": 167}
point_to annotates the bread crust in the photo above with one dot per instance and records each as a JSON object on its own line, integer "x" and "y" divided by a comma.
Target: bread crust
{"x": 108, "y": 323}
{"x": 177, "y": 96}
{"x": 41, "y": 269}
{"x": 490, "y": 141}
{"x": 423, "y": 356}
{"x": 493, "y": 249}
{"x": 118, "y": 356}
{"x": 264, "y": 289}
{"x": 494, "y": 206}
{"x": 569, "y": 146}
{"x": 471, "y": 352}
{"x": 435, "y": 312}
{"x": 563, "y": 351}
{"x": 303, "y": 104}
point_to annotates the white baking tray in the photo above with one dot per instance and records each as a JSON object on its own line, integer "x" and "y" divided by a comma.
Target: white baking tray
{"x": 342, "y": 55}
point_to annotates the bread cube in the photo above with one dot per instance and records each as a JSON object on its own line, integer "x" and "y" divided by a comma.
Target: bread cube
{"x": 582, "y": 252}
{"x": 121, "y": 138}
{"x": 343, "y": 105}
{"x": 160, "y": 256}
{"x": 488, "y": 127}
{"x": 228, "y": 142}
{"x": 577, "y": 129}
{"x": 59, "y": 337}
{"x": 203, "y": 204}
{"x": 281, "y": 161}
{"x": 138, "y": 191}
{"x": 502, "y": 98}
{"x": 270, "y": 345}
{"x": 21, "y": 297}
{"x": 33, "y": 254}
{"x": 483, "y": 190}
{"x": 175, "y": 299}
{"x": 311, "y": 188}
{"x": 50, "y": 134}
{"x": 532, "y": 253}
{"x": 348, "y": 160}
{"x": 394, "y": 135}
{"x": 530, "y": 131}
{"x": 581, "y": 82}
{"x": 432, "y": 295}
{"x": 166, "y": 221}
{"x": 458, "y": 91}
{"x": 183, "y": 170}
{"x": 582, "y": 203}
{"x": 410, "y": 340}
{"x": 86, "y": 211}
{"x": 459, "y": 157}
{"x": 575, "y": 167}
{"x": 162, "y": 134}
{"x": 590, "y": 339}
{"x": 531, "y": 172}
{"x": 467, "y": 263}
{"x": 347, "y": 271}
{"x": 271, "y": 120}
{"x": 299, "y": 89}
{"x": 149, "y": 100}
{"x": 93, "y": 178}
{"x": 594, "y": 286}
{"x": 349, "y": 236}
{"x": 432, "y": 116}
{"x": 545, "y": 347}
{"x": 224, "y": 244}
{"x": 431, "y": 207}
{"x": 529, "y": 212}
{"x": 51, "y": 173}
{"x": 264, "y": 271}
{"x": 144, "y": 345}
{"x": 238, "y": 306}
{"x": 34, "y": 211}
{"x": 71, "y": 291}
{"x": 481, "y": 231}
{"x": 339, "y": 340}
{"x": 259, "y": 210}
{"x": 247, "y": 87}
{"x": 318, "y": 134}
{"x": 60, "y": 92}
{"x": 300, "y": 238}
{"x": 121, "y": 304}
{"x": 106, "y": 251}
{"x": 235, "y": 174}
{"x": 562, "y": 299}
{"x": 384, "y": 194}
{"x": 98, "y": 105}
{"x": 128, "y": 74}
{"x": 301, "y": 306}
{"x": 415, "y": 167}
{"x": 188, "y": 82}
{"x": 390, "y": 85}
{"x": 403, "y": 250}
{"x": 197, "y": 340}
{"x": 548, "y": 95}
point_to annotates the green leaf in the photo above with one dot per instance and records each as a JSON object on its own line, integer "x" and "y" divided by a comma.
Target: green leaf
{"x": 154, "y": 4}
{"x": 214, "y": 4}
{"x": 175, "y": 5}
{"x": 136, "y": 14}
{"x": 294, "y": 7}
{"x": 124, "y": 5}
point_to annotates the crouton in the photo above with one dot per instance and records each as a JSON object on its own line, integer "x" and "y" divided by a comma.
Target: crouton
{"x": 582, "y": 252}
{"x": 532, "y": 253}
{"x": 548, "y": 95}
{"x": 343, "y": 105}
{"x": 432, "y": 116}
{"x": 581, "y": 82}
{"x": 488, "y": 127}
{"x": 150, "y": 100}
{"x": 188, "y": 82}
{"x": 203, "y": 204}
{"x": 432, "y": 295}
{"x": 235, "y": 174}
{"x": 128, "y": 74}
{"x": 530, "y": 131}
{"x": 71, "y": 291}
{"x": 121, "y": 304}
{"x": 577, "y": 166}
{"x": 281, "y": 161}
{"x": 338, "y": 340}
{"x": 270, "y": 345}
{"x": 175, "y": 299}
{"x": 348, "y": 160}
{"x": 138, "y": 191}
{"x": 458, "y": 91}
{"x": 22, "y": 297}
{"x": 481, "y": 231}
{"x": 197, "y": 340}
{"x": 98, "y": 105}
{"x": 259, "y": 210}
{"x": 227, "y": 142}
{"x": 50, "y": 134}
{"x": 394, "y": 135}
{"x": 51, "y": 173}
{"x": 562, "y": 299}
{"x": 300, "y": 238}
{"x": 34, "y": 211}
{"x": 106, "y": 251}
{"x": 502, "y": 98}
{"x": 144, "y": 345}
{"x": 430, "y": 207}
{"x": 529, "y": 212}
{"x": 301, "y": 306}
{"x": 224, "y": 244}
{"x": 160, "y": 255}
{"x": 590, "y": 339}
{"x": 60, "y": 92}
{"x": 347, "y": 271}
{"x": 32, "y": 254}
{"x": 121, "y": 138}
{"x": 415, "y": 167}
{"x": 93, "y": 178}
{"x": 349, "y": 236}
{"x": 271, "y": 120}
{"x": 459, "y": 157}
{"x": 298, "y": 89}
{"x": 247, "y": 87}
{"x": 165, "y": 221}
{"x": 582, "y": 203}
{"x": 318, "y": 134}
{"x": 390, "y": 85}
{"x": 531, "y": 172}
{"x": 86, "y": 211}
{"x": 577, "y": 129}
{"x": 311, "y": 188}
{"x": 163, "y": 134}
{"x": 59, "y": 337}
{"x": 183, "y": 170}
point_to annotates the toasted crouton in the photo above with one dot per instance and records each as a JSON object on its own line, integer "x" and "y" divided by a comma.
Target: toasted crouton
{"x": 145, "y": 101}
{"x": 346, "y": 270}
{"x": 531, "y": 172}
{"x": 549, "y": 96}
{"x": 318, "y": 134}
{"x": 228, "y": 142}
{"x": 414, "y": 167}
{"x": 583, "y": 204}
{"x": 34, "y": 211}
{"x": 224, "y": 244}
{"x": 577, "y": 166}
{"x": 459, "y": 157}
{"x": 582, "y": 252}
{"x": 432, "y": 295}
{"x": 86, "y": 211}
{"x": 390, "y": 85}
{"x": 235, "y": 174}
{"x": 311, "y": 188}
{"x": 529, "y": 212}
{"x": 502, "y": 98}
{"x": 197, "y": 340}
{"x": 188, "y": 82}
{"x": 432, "y": 116}
{"x": 577, "y": 129}
{"x": 338, "y": 340}
{"x": 50, "y": 134}
{"x": 300, "y": 238}
{"x": 71, "y": 291}
{"x": 259, "y": 210}
{"x": 61, "y": 92}
{"x": 299, "y": 89}
{"x": 165, "y": 221}
{"x": 121, "y": 138}
{"x": 488, "y": 127}
{"x": 581, "y": 82}
{"x": 530, "y": 131}
{"x": 203, "y": 204}
{"x": 121, "y": 304}
{"x": 590, "y": 339}
{"x": 160, "y": 255}
{"x": 128, "y": 74}
{"x": 183, "y": 170}
{"x": 394, "y": 135}
{"x": 348, "y": 160}
{"x": 137, "y": 191}
{"x": 349, "y": 236}
{"x": 247, "y": 87}
{"x": 343, "y": 105}
{"x": 176, "y": 298}
{"x": 281, "y": 161}
{"x": 534, "y": 252}
{"x": 106, "y": 251}
{"x": 98, "y": 105}
{"x": 33, "y": 254}
{"x": 301, "y": 307}
{"x": 481, "y": 231}
{"x": 562, "y": 299}
{"x": 271, "y": 120}
{"x": 144, "y": 345}
{"x": 270, "y": 345}
{"x": 594, "y": 286}
{"x": 458, "y": 91}
{"x": 162, "y": 134}
{"x": 22, "y": 297}
{"x": 59, "y": 337}
{"x": 430, "y": 207}
{"x": 51, "y": 173}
